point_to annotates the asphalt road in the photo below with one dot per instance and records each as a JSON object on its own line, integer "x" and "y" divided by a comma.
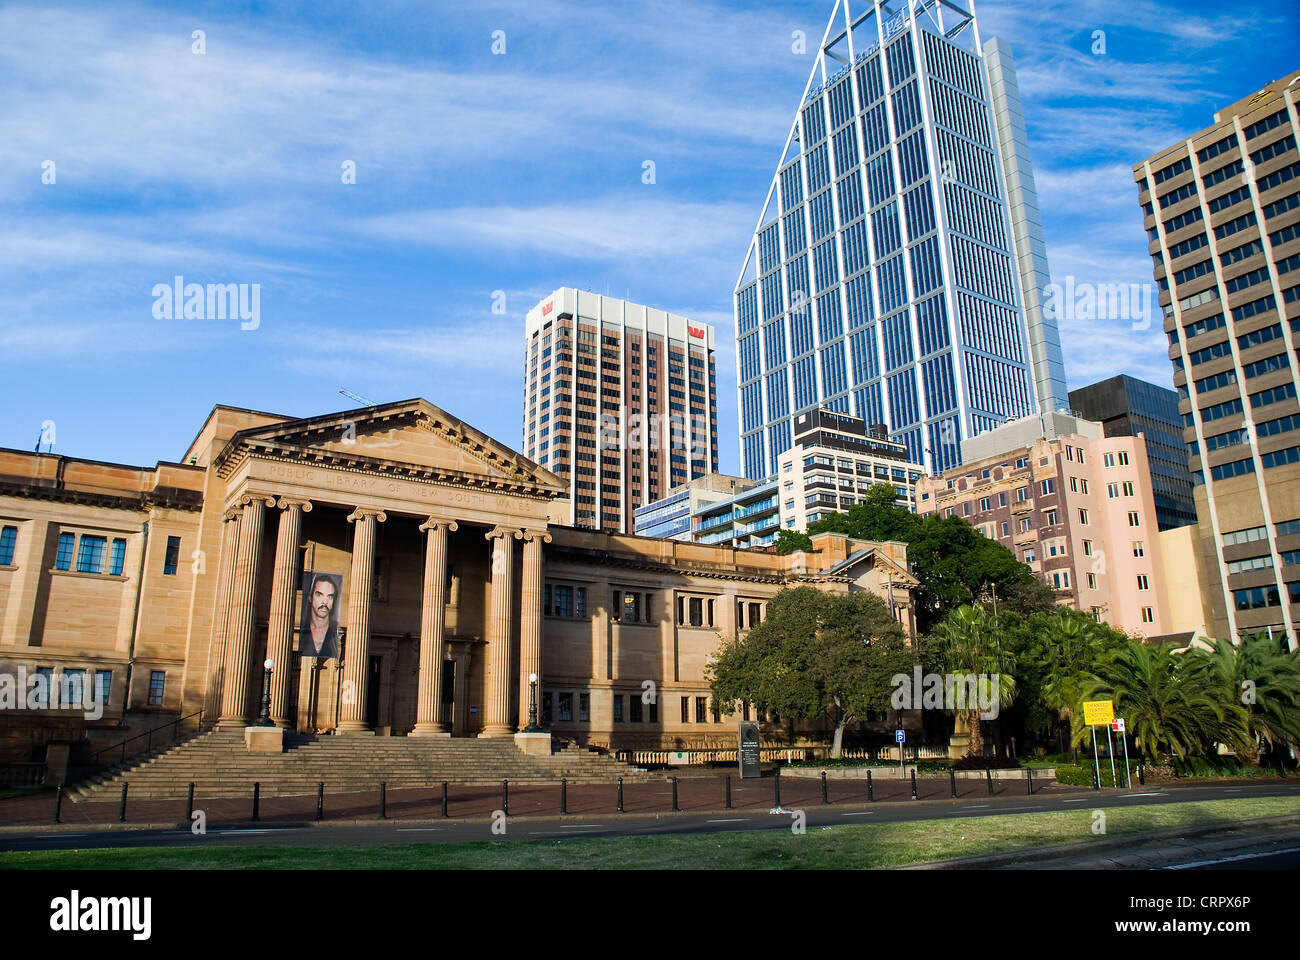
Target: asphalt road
{"x": 614, "y": 825}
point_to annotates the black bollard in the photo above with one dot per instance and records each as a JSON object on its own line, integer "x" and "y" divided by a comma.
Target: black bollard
{"x": 676, "y": 809}
{"x": 505, "y": 797}
{"x": 58, "y": 802}
{"x": 776, "y": 780}
{"x": 189, "y": 804}
{"x": 914, "y": 783}
{"x": 824, "y": 800}
{"x": 1142, "y": 773}
{"x": 988, "y": 773}
{"x": 444, "y": 798}
{"x": 1029, "y": 779}
{"x": 320, "y": 800}
{"x": 383, "y": 799}
{"x": 1096, "y": 779}
{"x": 870, "y": 795}
{"x": 121, "y": 813}
{"x": 952, "y": 779}
{"x": 620, "y": 794}
{"x": 257, "y": 796}
{"x": 564, "y": 795}
{"x": 727, "y": 794}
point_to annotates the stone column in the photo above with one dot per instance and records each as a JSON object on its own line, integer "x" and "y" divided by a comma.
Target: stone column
{"x": 352, "y": 711}
{"x": 497, "y": 709}
{"x": 243, "y": 611}
{"x": 221, "y": 613}
{"x": 530, "y": 621}
{"x": 428, "y": 709}
{"x": 279, "y": 634}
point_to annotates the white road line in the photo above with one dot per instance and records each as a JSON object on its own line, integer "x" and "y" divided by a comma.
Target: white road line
{"x": 864, "y": 813}
{"x": 580, "y": 826}
{"x": 978, "y": 806}
{"x": 1076, "y": 800}
{"x": 1129, "y": 796}
{"x": 740, "y": 820}
{"x": 1240, "y": 856}
{"x": 1232, "y": 789}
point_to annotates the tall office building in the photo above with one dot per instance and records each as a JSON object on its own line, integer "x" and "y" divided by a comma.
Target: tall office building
{"x": 621, "y": 400}
{"x": 1125, "y": 407}
{"x": 897, "y": 267}
{"x": 1223, "y": 219}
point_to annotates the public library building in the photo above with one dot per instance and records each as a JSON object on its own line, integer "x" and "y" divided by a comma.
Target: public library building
{"x": 436, "y": 583}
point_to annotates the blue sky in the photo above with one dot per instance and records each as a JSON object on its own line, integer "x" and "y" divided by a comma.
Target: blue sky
{"x": 478, "y": 173}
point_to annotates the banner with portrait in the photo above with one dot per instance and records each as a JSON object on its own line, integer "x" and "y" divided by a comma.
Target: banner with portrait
{"x": 318, "y": 625}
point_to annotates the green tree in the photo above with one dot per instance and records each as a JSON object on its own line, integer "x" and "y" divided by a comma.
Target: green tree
{"x": 972, "y": 646}
{"x": 1169, "y": 703}
{"x": 1265, "y": 680}
{"x": 815, "y": 655}
{"x": 791, "y": 541}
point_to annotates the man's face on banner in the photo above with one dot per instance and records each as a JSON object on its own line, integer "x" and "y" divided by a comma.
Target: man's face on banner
{"x": 322, "y": 599}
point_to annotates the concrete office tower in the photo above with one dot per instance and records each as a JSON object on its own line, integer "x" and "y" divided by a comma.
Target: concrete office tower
{"x": 896, "y": 268}
{"x": 1223, "y": 220}
{"x": 1126, "y": 407}
{"x": 620, "y": 400}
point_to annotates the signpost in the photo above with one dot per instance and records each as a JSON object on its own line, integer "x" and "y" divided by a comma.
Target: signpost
{"x": 899, "y": 737}
{"x": 1118, "y": 726}
{"x": 748, "y": 754}
{"x": 1096, "y": 713}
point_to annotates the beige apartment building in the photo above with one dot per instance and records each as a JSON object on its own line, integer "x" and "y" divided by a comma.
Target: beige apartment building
{"x": 1222, "y": 214}
{"x": 1073, "y": 504}
{"x": 454, "y": 582}
{"x": 620, "y": 402}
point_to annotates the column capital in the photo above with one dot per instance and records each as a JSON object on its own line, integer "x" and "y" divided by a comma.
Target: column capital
{"x": 286, "y": 502}
{"x": 532, "y": 533}
{"x": 496, "y": 532}
{"x": 433, "y": 523}
{"x": 362, "y": 513}
{"x": 251, "y": 498}
{"x": 231, "y": 514}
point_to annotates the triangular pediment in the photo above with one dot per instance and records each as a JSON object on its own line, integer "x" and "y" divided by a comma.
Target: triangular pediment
{"x": 410, "y": 438}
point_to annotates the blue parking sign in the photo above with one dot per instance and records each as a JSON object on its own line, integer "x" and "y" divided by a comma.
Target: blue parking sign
{"x": 899, "y": 736}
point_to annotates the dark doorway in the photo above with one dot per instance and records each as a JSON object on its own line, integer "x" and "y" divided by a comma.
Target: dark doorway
{"x": 373, "y": 674}
{"x": 446, "y": 710}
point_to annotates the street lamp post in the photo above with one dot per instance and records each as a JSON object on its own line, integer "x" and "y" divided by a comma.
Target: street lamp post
{"x": 532, "y": 705}
{"x": 265, "y": 719}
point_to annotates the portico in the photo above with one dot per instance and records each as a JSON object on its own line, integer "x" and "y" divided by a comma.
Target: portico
{"x": 436, "y": 532}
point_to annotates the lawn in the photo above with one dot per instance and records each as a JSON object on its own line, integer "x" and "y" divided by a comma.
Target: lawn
{"x": 840, "y": 847}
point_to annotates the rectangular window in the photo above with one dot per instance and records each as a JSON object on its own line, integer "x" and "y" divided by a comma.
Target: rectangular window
{"x": 579, "y": 601}
{"x": 701, "y": 709}
{"x": 563, "y": 601}
{"x": 1148, "y": 615}
{"x": 1108, "y": 459}
{"x": 1143, "y": 584}
{"x": 1087, "y": 548}
{"x": 1051, "y": 518}
{"x": 686, "y": 709}
{"x": 63, "y": 559}
{"x": 632, "y": 607}
{"x": 1048, "y": 486}
{"x": 103, "y": 685}
{"x": 44, "y": 682}
{"x": 584, "y": 707}
{"x": 697, "y": 611}
{"x": 90, "y": 554}
{"x": 635, "y": 715}
{"x": 172, "y": 557}
{"x": 117, "y": 558}
{"x": 1133, "y": 519}
{"x": 1083, "y": 516}
{"x": 566, "y": 707}
{"x": 1123, "y": 458}
{"x": 73, "y": 691}
{"x": 654, "y": 711}
{"x": 8, "y": 540}
{"x": 1112, "y": 490}
{"x": 1138, "y": 549}
{"x": 618, "y": 708}
{"x": 157, "y": 686}
{"x": 1128, "y": 488}
{"x": 548, "y": 710}
{"x": 1092, "y": 581}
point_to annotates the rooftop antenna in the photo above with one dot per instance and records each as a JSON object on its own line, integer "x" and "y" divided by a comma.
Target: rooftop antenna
{"x": 352, "y": 396}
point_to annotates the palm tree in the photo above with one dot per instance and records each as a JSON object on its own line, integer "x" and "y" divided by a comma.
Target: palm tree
{"x": 970, "y": 646}
{"x": 1169, "y": 706}
{"x": 1265, "y": 679}
{"x": 1073, "y": 646}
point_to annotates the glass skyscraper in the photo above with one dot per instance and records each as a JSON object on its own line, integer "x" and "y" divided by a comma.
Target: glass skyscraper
{"x": 897, "y": 268}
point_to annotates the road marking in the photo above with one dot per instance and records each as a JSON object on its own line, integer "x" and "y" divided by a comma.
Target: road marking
{"x": 864, "y": 813}
{"x": 1129, "y": 796}
{"x": 419, "y": 829}
{"x": 580, "y": 826}
{"x": 1076, "y": 800}
{"x": 1240, "y": 856}
{"x": 1231, "y": 789}
{"x": 977, "y": 806}
{"x": 60, "y": 836}
{"x": 739, "y": 820}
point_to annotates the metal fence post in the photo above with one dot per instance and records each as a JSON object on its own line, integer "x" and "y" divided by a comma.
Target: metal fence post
{"x": 564, "y": 795}
{"x": 444, "y": 798}
{"x": 58, "y": 802}
{"x": 988, "y": 773}
{"x": 952, "y": 779}
{"x": 320, "y": 800}
{"x": 620, "y": 794}
{"x": 870, "y": 794}
{"x": 727, "y": 793}
{"x": 824, "y": 799}
{"x": 1029, "y": 779}
{"x": 505, "y": 797}
{"x": 189, "y": 804}
{"x": 257, "y": 796}
{"x": 914, "y": 783}
{"x": 383, "y": 799}
{"x": 676, "y": 809}
{"x": 121, "y": 813}
{"x": 776, "y": 780}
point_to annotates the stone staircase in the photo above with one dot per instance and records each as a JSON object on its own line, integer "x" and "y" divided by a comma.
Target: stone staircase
{"x": 219, "y": 765}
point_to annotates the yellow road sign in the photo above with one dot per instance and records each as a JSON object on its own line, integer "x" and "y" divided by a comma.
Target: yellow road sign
{"x": 1098, "y": 712}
